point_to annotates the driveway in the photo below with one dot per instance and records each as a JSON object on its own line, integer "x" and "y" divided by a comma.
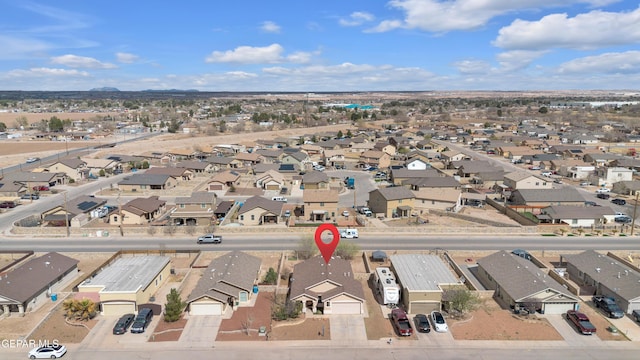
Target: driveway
{"x": 101, "y": 336}
{"x": 201, "y": 330}
{"x": 571, "y": 336}
{"x": 347, "y": 328}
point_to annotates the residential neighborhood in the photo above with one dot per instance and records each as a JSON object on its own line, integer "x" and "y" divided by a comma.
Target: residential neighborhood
{"x": 207, "y": 202}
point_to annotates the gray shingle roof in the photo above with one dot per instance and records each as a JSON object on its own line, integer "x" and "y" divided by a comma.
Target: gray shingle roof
{"x": 314, "y": 177}
{"x": 395, "y": 193}
{"x": 226, "y": 276}
{"x": 567, "y": 194}
{"x": 518, "y": 277}
{"x": 34, "y": 276}
{"x": 145, "y": 179}
{"x": 274, "y": 207}
{"x": 609, "y": 272}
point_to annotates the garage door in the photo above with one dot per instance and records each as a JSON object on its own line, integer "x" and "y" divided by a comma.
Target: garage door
{"x": 346, "y": 308}
{"x": 118, "y": 308}
{"x": 273, "y": 187}
{"x": 213, "y": 187}
{"x": 557, "y": 308}
{"x": 205, "y": 309}
{"x": 423, "y": 308}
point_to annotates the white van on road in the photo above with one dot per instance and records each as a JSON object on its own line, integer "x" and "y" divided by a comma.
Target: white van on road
{"x": 349, "y": 233}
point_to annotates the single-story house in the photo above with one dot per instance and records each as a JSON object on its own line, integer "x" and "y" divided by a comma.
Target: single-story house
{"x": 127, "y": 283}
{"x": 76, "y": 212}
{"x": 423, "y": 280}
{"x": 518, "y": 283}
{"x": 577, "y": 216}
{"x": 326, "y": 288}
{"x": 608, "y": 276}
{"x": 257, "y": 210}
{"x": 223, "y": 180}
{"x": 142, "y": 182}
{"x": 31, "y": 284}
{"x": 138, "y": 211}
{"x": 229, "y": 280}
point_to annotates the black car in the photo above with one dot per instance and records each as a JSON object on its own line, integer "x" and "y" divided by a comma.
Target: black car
{"x": 608, "y": 306}
{"x": 590, "y": 203}
{"x": 623, "y": 219}
{"x": 603, "y": 196}
{"x": 141, "y": 321}
{"x": 619, "y": 201}
{"x": 7, "y": 205}
{"x": 123, "y": 324}
{"x": 422, "y": 323}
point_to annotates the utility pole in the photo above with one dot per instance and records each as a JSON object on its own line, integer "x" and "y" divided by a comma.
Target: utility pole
{"x": 120, "y": 213}
{"x": 635, "y": 208}
{"x": 66, "y": 214}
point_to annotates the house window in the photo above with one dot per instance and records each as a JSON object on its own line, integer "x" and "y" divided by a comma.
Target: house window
{"x": 156, "y": 282}
{"x": 321, "y": 204}
{"x": 333, "y": 214}
{"x": 203, "y": 206}
{"x": 143, "y": 186}
{"x": 253, "y": 217}
{"x": 574, "y": 221}
{"x": 423, "y": 201}
{"x": 400, "y": 201}
{"x": 181, "y": 206}
{"x": 115, "y": 218}
{"x": 328, "y": 304}
{"x": 241, "y": 217}
{"x": 160, "y": 277}
{"x": 537, "y": 183}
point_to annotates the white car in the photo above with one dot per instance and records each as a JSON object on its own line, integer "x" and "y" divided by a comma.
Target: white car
{"x": 53, "y": 351}
{"x": 603, "y": 191}
{"x": 32, "y": 160}
{"x": 438, "y": 323}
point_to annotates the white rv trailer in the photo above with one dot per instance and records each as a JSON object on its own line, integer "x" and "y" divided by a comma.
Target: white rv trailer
{"x": 387, "y": 286}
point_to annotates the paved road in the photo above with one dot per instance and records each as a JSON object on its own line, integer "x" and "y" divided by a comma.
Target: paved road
{"x": 291, "y": 241}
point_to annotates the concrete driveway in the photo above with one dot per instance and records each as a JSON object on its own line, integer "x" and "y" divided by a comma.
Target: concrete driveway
{"x": 101, "y": 336}
{"x": 201, "y": 330}
{"x": 347, "y": 329}
{"x": 570, "y": 334}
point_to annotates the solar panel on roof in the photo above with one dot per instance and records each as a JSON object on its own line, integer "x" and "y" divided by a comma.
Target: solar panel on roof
{"x": 86, "y": 205}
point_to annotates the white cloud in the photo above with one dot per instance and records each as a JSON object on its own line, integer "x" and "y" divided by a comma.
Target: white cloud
{"x": 44, "y": 72}
{"x": 591, "y": 30}
{"x": 472, "y": 66}
{"x": 607, "y": 63}
{"x": 448, "y": 15}
{"x": 357, "y": 18}
{"x": 75, "y": 61}
{"x": 517, "y": 59}
{"x": 271, "y": 54}
{"x": 127, "y": 58}
{"x": 270, "y": 27}
{"x": 19, "y": 47}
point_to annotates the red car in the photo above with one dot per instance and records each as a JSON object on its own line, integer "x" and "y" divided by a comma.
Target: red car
{"x": 7, "y": 205}
{"x": 41, "y": 188}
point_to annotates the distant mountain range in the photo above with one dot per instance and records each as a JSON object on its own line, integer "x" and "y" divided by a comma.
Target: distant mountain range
{"x": 105, "y": 89}
{"x": 112, "y": 89}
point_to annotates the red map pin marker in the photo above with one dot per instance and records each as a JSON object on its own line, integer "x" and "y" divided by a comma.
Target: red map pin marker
{"x": 327, "y": 249}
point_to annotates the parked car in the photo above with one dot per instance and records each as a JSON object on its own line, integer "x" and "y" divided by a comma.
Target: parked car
{"x": 636, "y": 315}
{"x": 604, "y": 196}
{"x": 141, "y": 321}
{"x": 32, "y": 160}
{"x": 521, "y": 253}
{"x": 41, "y": 188}
{"x": 581, "y": 322}
{"x": 590, "y": 203}
{"x": 585, "y": 183}
{"x": 603, "y": 190}
{"x": 546, "y": 173}
{"x": 346, "y": 213}
{"x": 123, "y": 324}
{"x": 608, "y": 306}
{"x": 401, "y": 322}
{"x": 209, "y": 239}
{"x": 422, "y": 323}
{"x": 30, "y": 197}
{"x": 52, "y": 351}
{"x": 7, "y": 205}
{"x": 623, "y": 219}
{"x": 438, "y": 322}
{"x": 619, "y": 201}
{"x": 534, "y": 168}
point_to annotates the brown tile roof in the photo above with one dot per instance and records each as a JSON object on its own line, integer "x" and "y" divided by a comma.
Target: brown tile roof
{"x": 172, "y": 171}
{"x": 314, "y": 177}
{"x": 314, "y": 271}
{"x": 395, "y": 193}
{"x": 34, "y": 277}
{"x": 141, "y": 206}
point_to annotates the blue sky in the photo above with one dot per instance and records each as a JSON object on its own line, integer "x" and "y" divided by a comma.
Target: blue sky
{"x": 329, "y": 45}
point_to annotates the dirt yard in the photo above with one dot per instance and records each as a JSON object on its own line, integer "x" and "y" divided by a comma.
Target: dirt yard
{"x": 490, "y": 322}
{"x": 166, "y": 331}
{"x": 56, "y": 328}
